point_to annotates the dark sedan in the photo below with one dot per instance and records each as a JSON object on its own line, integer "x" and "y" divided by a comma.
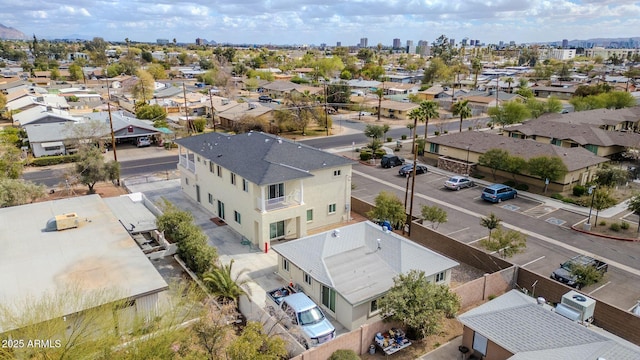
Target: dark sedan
{"x": 408, "y": 169}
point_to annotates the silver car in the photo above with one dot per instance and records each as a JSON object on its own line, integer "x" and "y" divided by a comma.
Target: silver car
{"x": 458, "y": 182}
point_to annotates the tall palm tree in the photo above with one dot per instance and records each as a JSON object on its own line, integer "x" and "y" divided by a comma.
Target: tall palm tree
{"x": 509, "y": 81}
{"x": 476, "y": 66}
{"x": 224, "y": 285}
{"x": 380, "y": 94}
{"x": 429, "y": 110}
{"x": 491, "y": 222}
{"x": 414, "y": 115}
{"x": 462, "y": 109}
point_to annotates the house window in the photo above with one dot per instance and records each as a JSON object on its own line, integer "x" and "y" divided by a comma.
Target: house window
{"x": 434, "y": 148}
{"x": 210, "y": 167}
{"x": 219, "y": 170}
{"x": 245, "y": 185}
{"x": 440, "y": 276}
{"x": 233, "y": 178}
{"x": 309, "y": 215}
{"x": 186, "y": 181}
{"x": 480, "y": 343}
{"x": 210, "y": 199}
{"x": 285, "y": 264}
{"x": 307, "y": 278}
{"x": 276, "y": 230}
{"x": 276, "y": 191}
{"x": 592, "y": 148}
{"x": 236, "y": 217}
{"x": 556, "y": 142}
{"x": 337, "y": 172}
{"x": 198, "y": 158}
{"x": 329, "y": 298}
{"x": 373, "y": 307}
{"x": 332, "y": 208}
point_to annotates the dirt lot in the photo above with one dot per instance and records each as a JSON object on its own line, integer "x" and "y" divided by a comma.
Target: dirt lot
{"x": 104, "y": 189}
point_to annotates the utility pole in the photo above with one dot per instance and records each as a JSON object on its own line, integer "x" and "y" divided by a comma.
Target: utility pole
{"x": 413, "y": 185}
{"x": 213, "y": 117}
{"x": 326, "y": 109}
{"x": 113, "y": 137}
{"x": 186, "y": 109}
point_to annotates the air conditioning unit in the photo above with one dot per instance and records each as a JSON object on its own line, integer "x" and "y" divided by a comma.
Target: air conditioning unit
{"x": 581, "y": 303}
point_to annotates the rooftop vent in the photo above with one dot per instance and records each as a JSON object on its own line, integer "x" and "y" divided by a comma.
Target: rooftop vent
{"x": 62, "y": 222}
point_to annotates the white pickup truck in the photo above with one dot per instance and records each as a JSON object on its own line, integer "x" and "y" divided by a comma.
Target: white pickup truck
{"x": 297, "y": 310}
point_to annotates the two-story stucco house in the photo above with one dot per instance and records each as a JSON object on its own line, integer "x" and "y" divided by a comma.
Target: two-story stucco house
{"x": 265, "y": 187}
{"x": 348, "y": 269}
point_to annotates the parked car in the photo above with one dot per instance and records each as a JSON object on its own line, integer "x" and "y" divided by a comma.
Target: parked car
{"x": 364, "y": 113}
{"x": 564, "y": 273}
{"x": 390, "y": 160}
{"x": 143, "y": 141}
{"x": 458, "y": 182}
{"x": 408, "y": 169}
{"x": 265, "y": 98}
{"x": 498, "y": 192}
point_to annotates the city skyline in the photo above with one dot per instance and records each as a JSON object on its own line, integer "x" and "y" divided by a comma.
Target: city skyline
{"x": 310, "y": 22}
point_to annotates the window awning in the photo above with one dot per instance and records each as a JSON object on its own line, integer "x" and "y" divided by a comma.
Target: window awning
{"x": 52, "y": 144}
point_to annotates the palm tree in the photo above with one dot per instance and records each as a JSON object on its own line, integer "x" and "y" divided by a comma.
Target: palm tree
{"x": 509, "y": 81}
{"x": 491, "y": 222}
{"x": 429, "y": 110}
{"x": 414, "y": 115}
{"x": 462, "y": 109}
{"x": 223, "y": 285}
{"x": 380, "y": 94}
{"x": 476, "y": 66}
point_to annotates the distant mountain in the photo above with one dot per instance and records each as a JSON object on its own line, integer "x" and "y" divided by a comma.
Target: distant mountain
{"x": 9, "y": 33}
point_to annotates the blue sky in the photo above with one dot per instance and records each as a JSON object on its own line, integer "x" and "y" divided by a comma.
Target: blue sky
{"x": 324, "y": 21}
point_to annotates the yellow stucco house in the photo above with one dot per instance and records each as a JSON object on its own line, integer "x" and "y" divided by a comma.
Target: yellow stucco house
{"x": 264, "y": 187}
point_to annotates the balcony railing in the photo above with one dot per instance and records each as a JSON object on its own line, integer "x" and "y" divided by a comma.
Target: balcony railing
{"x": 277, "y": 203}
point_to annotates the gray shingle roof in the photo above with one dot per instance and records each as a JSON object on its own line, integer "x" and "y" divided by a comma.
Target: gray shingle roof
{"x": 516, "y": 323}
{"x": 597, "y": 117}
{"x": 262, "y": 158}
{"x": 480, "y": 142}
{"x": 352, "y": 264}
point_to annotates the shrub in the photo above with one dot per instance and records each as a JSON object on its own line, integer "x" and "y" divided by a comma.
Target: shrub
{"x": 436, "y": 133}
{"x": 470, "y": 128}
{"x": 523, "y": 187}
{"x": 54, "y": 160}
{"x": 557, "y": 197}
{"x": 379, "y": 153}
{"x": 510, "y": 183}
{"x": 199, "y": 124}
{"x": 602, "y": 223}
{"x": 344, "y": 355}
{"x": 446, "y": 131}
{"x": 624, "y": 225}
{"x": 389, "y": 139}
{"x": 615, "y": 227}
{"x": 403, "y": 137}
{"x": 579, "y": 190}
{"x": 366, "y": 155}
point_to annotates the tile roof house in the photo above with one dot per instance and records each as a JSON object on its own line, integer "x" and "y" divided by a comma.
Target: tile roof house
{"x": 465, "y": 148}
{"x": 348, "y": 269}
{"x": 627, "y": 119}
{"x": 514, "y": 327}
{"x": 395, "y": 109}
{"x": 569, "y": 135}
{"x": 265, "y": 187}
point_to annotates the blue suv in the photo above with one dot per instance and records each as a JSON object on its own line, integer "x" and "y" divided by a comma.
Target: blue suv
{"x": 498, "y": 192}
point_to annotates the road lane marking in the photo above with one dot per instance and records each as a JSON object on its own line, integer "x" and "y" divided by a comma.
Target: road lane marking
{"x": 532, "y": 261}
{"x": 475, "y": 241}
{"x": 453, "y": 232}
{"x": 507, "y": 225}
{"x": 600, "y": 287}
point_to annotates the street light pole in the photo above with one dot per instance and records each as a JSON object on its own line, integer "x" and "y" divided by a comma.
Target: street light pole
{"x": 113, "y": 137}
{"x": 467, "y": 162}
{"x": 592, "y": 191}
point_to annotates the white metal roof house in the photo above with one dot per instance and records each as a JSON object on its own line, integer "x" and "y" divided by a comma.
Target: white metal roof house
{"x": 265, "y": 187}
{"x": 348, "y": 269}
{"x": 515, "y": 327}
{"x": 93, "y": 254}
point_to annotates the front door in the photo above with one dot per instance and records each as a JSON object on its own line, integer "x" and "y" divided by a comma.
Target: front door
{"x": 276, "y": 230}
{"x": 198, "y": 193}
{"x": 220, "y": 209}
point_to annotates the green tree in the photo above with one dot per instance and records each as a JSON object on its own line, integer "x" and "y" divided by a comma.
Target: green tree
{"x": 11, "y": 163}
{"x": 536, "y": 107}
{"x": 154, "y": 112}
{"x": 18, "y": 192}
{"x": 511, "y": 112}
{"x": 491, "y": 222}
{"x": 554, "y": 105}
{"x": 505, "y": 242}
{"x": 91, "y": 167}
{"x": 344, "y": 355}
{"x": 634, "y": 205}
{"x": 388, "y": 207}
{"x": 462, "y": 109}
{"x": 433, "y": 214}
{"x": 602, "y": 199}
{"x": 610, "y": 176}
{"x": 255, "y": 344}
{"x": 213, "y": 329}
{"x": 443, "y": 49}
{"x": 585, "y": 275}
{"x": 224, "y": 285}
{"x": 546, "y": 167}
{"x": 428, "y": 110}
{"x": 495, "y": 159}
{"x": 476, "y": 66}
{"x": 374, "y": 131}
{"x": 618, "y": 100}
{"x": 75, "y": 72}
{"x": 144, "y": 87}
{"x": 418, "y": 303}
{"x": 157, "y": 71}
{"x": 515, "y": 165}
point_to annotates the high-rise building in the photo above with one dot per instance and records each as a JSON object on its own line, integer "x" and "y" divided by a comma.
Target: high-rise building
{"x": 397, "y": 44}
{"x": 565, "y": 43}
{"x": 339, "y": 44}
{"x": 452, "y": 42}
{"x": 465, "y": 42}
{"x": 472, "y": 42}
{"x": 411, "y": 49}
{"x": 364, "y": 42}
{"x": 199, "y": 41}
{"x": 423, "y": 48}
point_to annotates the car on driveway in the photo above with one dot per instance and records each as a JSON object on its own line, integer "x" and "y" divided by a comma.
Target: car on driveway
{"x": 408, "y": 169}
{"x": 265, "y": 98}
{"x": 458, "y": 182}
{"x": 498, "y": 192}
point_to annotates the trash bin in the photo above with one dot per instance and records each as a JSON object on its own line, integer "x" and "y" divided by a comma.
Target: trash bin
{"x": 372, "y": 349}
